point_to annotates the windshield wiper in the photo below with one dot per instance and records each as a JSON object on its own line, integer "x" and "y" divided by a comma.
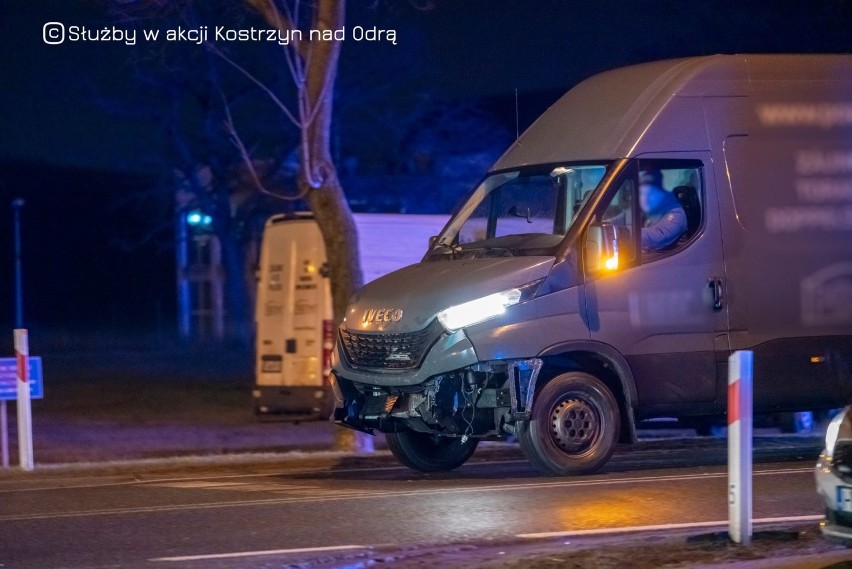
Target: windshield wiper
{"x": 488, "y": 248}
{"x": 456, "y": 250}
{"x": 448, "y": 248}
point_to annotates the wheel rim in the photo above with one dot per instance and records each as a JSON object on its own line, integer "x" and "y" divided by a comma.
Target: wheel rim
{"x": 574, "y": 424}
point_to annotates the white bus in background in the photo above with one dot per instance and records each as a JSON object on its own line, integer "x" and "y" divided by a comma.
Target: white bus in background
{"x": 294, "y": 332}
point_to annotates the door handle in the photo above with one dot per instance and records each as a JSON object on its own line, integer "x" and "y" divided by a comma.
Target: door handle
{"x": 715, "y": 285}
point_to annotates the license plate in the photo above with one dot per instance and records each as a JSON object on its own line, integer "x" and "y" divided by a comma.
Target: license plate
{"x": 844, "y": 498}
{"x": 271, "y": 364}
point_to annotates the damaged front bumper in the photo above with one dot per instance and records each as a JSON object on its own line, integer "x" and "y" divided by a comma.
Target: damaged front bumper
{"x": 482, "y": 399}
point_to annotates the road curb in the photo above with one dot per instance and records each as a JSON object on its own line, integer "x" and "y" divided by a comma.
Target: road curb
{"x": 295, "y": 457}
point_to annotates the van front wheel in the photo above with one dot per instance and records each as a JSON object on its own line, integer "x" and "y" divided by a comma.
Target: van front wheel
{"x": 430, "y": 453}
{"x": 573, "y": 427}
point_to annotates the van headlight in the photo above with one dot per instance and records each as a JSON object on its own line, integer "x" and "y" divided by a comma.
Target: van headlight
{"x": 491, "y": 306}
{"x": 833, "y": 432}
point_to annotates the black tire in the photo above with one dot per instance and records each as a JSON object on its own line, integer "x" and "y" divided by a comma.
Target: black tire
{"x": 430, "y": 453}
{"x": 574, "y": 425}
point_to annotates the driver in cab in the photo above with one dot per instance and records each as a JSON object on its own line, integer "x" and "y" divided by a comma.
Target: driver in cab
{"x": 665, "y": 219}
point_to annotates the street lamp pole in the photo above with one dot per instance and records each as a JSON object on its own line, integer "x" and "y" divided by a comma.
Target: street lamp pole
{"x": 17, "y": 206}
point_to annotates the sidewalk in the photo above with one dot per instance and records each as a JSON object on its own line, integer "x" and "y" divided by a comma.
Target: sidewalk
{"x": 129, "y": 405}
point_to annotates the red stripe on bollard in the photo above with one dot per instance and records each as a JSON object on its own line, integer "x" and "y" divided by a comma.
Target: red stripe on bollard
{"x": 24, "y": 366}
{"x": 733, "y": 402}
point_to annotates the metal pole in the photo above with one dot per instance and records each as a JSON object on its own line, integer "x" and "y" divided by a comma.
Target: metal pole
{"x": 17, "y": 205}
{"x": 183, "y": 285}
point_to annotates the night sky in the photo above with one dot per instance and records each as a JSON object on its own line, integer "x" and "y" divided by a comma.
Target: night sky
{"x": 75, "y": 139}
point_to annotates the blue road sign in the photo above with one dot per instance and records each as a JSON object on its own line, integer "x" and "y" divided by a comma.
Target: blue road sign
{"x": 8, "y": 379}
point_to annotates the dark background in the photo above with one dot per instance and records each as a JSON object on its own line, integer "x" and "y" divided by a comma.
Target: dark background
{"x": 76, "y": 143}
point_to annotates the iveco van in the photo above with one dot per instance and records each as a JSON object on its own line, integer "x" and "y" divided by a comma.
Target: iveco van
{"x": 538, "y": 312}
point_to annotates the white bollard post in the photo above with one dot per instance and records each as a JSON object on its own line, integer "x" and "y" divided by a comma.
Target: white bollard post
{"x": 740, "y": 368}
{"x": 24, "y": 409}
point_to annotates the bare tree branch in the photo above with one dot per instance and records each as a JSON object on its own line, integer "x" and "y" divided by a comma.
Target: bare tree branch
{"x": 245, "y": 72}
{"x": 237, "y": 141}
{"x": 286, "y": 23}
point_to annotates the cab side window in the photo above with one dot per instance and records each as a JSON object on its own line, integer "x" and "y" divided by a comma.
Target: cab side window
{"x": 655, "y": 211}
{"x": 670, "y": 202}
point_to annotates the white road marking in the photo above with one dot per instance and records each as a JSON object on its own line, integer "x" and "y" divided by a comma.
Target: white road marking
{"x": 259, "y": 553}
{"x": 662, "y": 527}
{"x": 289, "y": 472}
{"x": 331, "y": 494}
{"x": 239, "y": 486}
{"x": 516, "y": 486}
{"x": 194, "y": 484}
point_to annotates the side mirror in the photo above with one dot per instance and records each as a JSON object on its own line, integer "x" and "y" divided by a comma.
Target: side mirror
{"x": 515, "y": 212}
{"x": 600, "y": 250}
{"x": 432, "y": 240}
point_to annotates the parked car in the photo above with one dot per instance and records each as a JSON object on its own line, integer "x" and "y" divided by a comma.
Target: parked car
{"x": 834, "y": 477}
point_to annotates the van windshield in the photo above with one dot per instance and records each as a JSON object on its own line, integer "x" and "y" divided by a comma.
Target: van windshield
{"x": 520, "y": 212}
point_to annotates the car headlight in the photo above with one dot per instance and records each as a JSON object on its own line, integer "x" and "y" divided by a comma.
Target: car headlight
{"x": 476, "y": 311}
{"x": 833, "y": 432}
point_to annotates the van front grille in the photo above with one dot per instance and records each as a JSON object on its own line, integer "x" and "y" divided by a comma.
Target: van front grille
{"x": 377, "y": 350}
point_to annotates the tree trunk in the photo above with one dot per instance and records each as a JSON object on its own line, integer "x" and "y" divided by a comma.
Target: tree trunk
{"x": 340, "y": 236}
{"x": 326, "y": 199}
{"x": 319, "y": 176}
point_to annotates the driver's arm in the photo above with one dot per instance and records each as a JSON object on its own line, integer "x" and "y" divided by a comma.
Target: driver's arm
{"x": 665, "y": 232}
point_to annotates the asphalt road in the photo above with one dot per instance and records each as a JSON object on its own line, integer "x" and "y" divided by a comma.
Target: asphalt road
{"x": 269, "y": 515}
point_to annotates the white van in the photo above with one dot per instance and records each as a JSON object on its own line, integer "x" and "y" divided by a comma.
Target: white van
{"x": 293, "y": 317}
{"x": 293, "y": 314}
